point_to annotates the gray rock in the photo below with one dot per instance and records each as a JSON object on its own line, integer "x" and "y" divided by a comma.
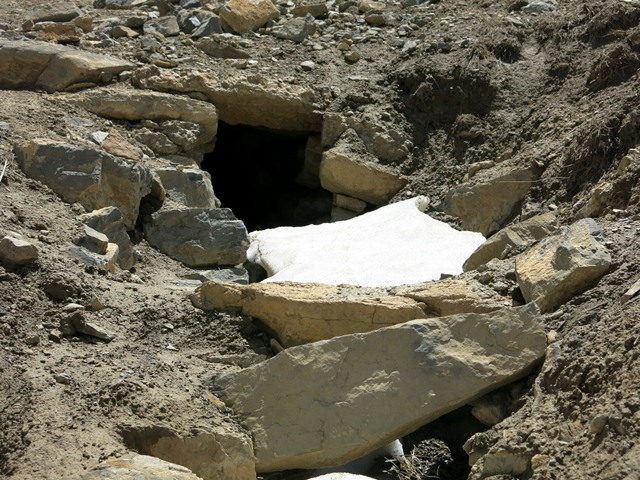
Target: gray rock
{"x": 315, "y": 8}
{"x": 94, "y": 261}
{"x": 17, "y": 252}
{"x": 108, "y": 220}
{"x": 190, "y": 187}
{"x": 210, "y": 26}
{"x": 167, "y": 26}
{"x": 199, "y": 237}
{"x": 184, "y": 134}
{"x": 57, "y": 11}
{"x": 563, "y": 265}
{"x": 539, "y": 7}
{"x": 118, "y": 4}
{"x": 157, "y": 141}
{"x": 223, "y": 275}
{"x": 87, "y": 176}
{"x": 77, "y": 323}
{"x": 220, "y": 50}
{"x": 329, "y": 402}
{"x": 296, "y": 30}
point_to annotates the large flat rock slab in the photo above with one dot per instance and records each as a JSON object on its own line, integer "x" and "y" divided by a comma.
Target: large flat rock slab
{"x": 33, "y": 64}
{"x": 330, "y": 402}
{"x": 563, "y": 265}
{"x": 307, "y": 312}
{"x": 394, "y": 245}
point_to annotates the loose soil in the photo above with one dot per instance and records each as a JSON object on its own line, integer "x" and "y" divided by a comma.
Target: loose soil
{"x": 478, "y": 80}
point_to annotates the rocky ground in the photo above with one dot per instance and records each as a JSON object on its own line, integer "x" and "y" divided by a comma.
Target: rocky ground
{"x": 498, "y": 110}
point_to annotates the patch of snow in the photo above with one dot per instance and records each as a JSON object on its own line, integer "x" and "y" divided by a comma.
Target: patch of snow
{"x": 394, "y": 245}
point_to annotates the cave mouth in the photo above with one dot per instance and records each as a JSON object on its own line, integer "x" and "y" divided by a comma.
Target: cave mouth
{"x": 262, "y": 175}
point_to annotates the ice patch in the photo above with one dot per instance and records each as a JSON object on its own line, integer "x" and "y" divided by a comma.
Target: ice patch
{"x": 394, "y": 245}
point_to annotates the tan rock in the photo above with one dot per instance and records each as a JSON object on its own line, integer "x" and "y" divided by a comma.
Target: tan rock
{"x": 452, "y": 296}
{"x": 349, "y": 203}
{"x": 563, "y": 265}
{"x": 133, "y": 466}
{"x": 243, "y": 16}
{"x": 254, "y": 100}
{"x": 327, "y": 403}
{"x": 119, "y": 146}
{"x": 342, "y": 173}
{"x": 211, "y": 453}
{"x": 306, "y": 312}
{"x": 490, "y": 198}
{"x": 140, "y": 105}
{"x": 53, "y": 67}
{"x": 515, "y": 235}
{"x": 63, "y": 33}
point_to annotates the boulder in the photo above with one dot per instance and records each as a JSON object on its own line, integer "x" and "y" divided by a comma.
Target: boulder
{"x": 190, "y": 187}
{"x": 254, "y": 100}
{"x": 108, "y": 220}
{"x": 92, "y": 240}
{"x": 214, "y": 453}
{"x": 517, "y": 235}
{"x": 394, "y": 245}
{"x": 343, "y": 173}
{"x": 242, "y": 16}
{"x": 17, "y": 252}
{"x": 53, "y": 67}
{"x": 452, "y": 296}
{"x": 198, "y": 237}
{"x": 87, "y": 176}
{"x": 115, "y": 144}
{"x": 306, "y": 312}
{"x": 137, "y": 105}
{"x": 330, "y": 402}
{"x": 56, "y": 11}
{"x": 490, "y": 198}
{"x": 133, "y": 466}
{"x": 102, "y": 263}
{"x": 563, "y": 265}
{"x": 167, "y": 26}
{"x": 380, "y": 138}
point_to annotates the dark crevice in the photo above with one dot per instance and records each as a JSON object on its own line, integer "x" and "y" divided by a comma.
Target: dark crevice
{"x": 254, "y": 171}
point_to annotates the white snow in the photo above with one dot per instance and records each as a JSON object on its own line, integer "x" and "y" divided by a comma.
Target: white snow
{"x": 394, "y": 245}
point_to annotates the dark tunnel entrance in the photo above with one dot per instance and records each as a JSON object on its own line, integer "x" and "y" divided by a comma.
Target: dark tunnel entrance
{"x": 268, "y": 178}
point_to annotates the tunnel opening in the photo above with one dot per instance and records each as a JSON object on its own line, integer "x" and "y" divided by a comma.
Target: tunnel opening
{"x": 268, "y": 178}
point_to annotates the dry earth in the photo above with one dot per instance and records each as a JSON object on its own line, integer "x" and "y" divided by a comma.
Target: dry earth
{"x": 481, "y": 80}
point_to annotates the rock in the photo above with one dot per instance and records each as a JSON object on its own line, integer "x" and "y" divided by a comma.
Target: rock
{"x": 408, "y": 247}
{"x": 366, "y": 5}
{"x": 208, "y": 27}
{"x": 631, "y": 292}
{"x": 380, "y": 138}
{"x": 296, "y": 30}
{"x": 77, "y": 323}
{"x": 56, "y": 11}
{"x": 254, "y": 100}
{"x": 342, "y": 173}
{"x": 167, "y": 26}
{"x": 17, "y": 252}
{"x": 517, "y": 235}
{"x": 95, "y": 261}
{"x": 340, "y": 398}
{"x": 242, "y": 16}
{"x": 198, "y": 237}
{"x": 93, "y": 241}
{"x": 306, "y": 312}
{"x": 190, "y": 187}
{"x": 84, "y": 23}
{"x": 220, "y": 50}
{"x": 222, "y": 275}
{"x": 308, "y": 65}
{"x": 539, "y": 7}
{"x": 183, "y": 134}
{"x": 140, "y": 105}
{"x": 115, "y": 144}
{"x": 213, "y": 453}
{"x": 53, "y": 67}
{"x": 157, "y": 141}
{"x": 133, "y": 466}
{"x": 62, "y": 33}
{"x": 315, "y": 8}
{"x": 601, "y": 197}
{"x": 333, "y": 126}
{"x": 349, "y": 203}
{"x": 563, "y": 265}
{"x": 90, "y": 177}
{"x": 120, "y": 31}
{"x": 118, "y": 4}
{"x": 108, "y": 220}
{"x": 452, "y": 296}
{"x": 490, "y": 198}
